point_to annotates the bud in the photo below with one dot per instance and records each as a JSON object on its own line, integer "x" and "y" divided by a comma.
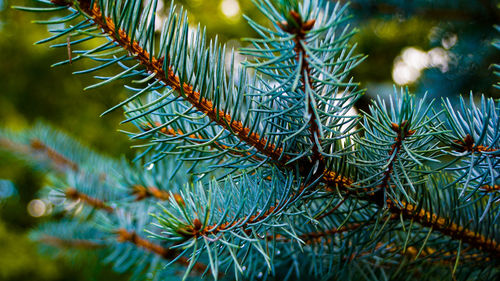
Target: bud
{"x": 179, "y": 199}
{"x": 283, "y": 25}
{"x": 395, "y": 127}
{"x": 308, "y": 25}
{"x": 197, "y": 224}
{"x": 296, "y": 16}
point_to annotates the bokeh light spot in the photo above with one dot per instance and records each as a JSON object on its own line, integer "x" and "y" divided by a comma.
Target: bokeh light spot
{"x": 230, "y": 8}
{"x": 37, "y": 208}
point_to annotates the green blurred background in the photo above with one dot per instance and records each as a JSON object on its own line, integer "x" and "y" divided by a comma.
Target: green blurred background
{"x": 443, "y": 47}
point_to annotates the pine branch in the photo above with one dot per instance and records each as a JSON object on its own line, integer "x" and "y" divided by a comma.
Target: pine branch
{"x": 298, "y": 102}
{"x": 318, "y": 236}
{"x": 195, "y": 230}
{"x": 200, "y": 140}
{"x": 169, "y": 254}
{"x": 424, "y": 218}
{"x": 57, "y": 158}
{"x": 154, "y": 65}
{"x": 59, "y": 161}
{"x": 427, "y": 219}
{"x": 142, "y": 193}
{"x": 75, "y": 195}
{"x": 442, "y": 225}
{"x": 467, "y": 145}
{"x": 70, "y": 243}
{"x": 300, "y": 30}
{"x": 124, "y": 235}
{"x": 402, "y": 131}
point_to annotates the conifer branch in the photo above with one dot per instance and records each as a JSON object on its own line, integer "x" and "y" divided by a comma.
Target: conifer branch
{"x": 299, "y": 100}
{"x": 75, "y": 195}
{"x": 318, "y": 236}
{"x": 467, "y": 144}
{"x": 70, "y": 243}
{"x": 124, "y": 235}
{"x": 300, "y": 30}
{"x": 155, "y": 65}
{"x": 427, "y": 219}
{"x": 205, "y": 106}
{"x": 442, "y": 225}
{"x": 199, "y": 139}
{"x": 59, "y": 161}
{"x": 423, "y": 217}
{"x": 402, "y": 134}
{"x": 412, "y": 252}
{"x": 196, "y": 229}
{"x": 142, "y": 192}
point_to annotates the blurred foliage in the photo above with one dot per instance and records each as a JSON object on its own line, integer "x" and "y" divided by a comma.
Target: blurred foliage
{"x": 19, "y": 259}
{"x": 460, "y": 30}
{"x": 382, "y": 40}
{"x": 31, "y": 91}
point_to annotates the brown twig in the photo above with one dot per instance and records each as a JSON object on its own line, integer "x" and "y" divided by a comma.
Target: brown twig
{"x": 56, "y": 157}
{"x": 199, "y": 139}
{"x": 70, "y": 243}
{"x": 402, "y": 134}
{"x": 126, "y": 236}
{"x": 142, "y": 192}
{"x": 444, "y": 226}
{"x": 318, "y": 236}
{"x": 489, "y": 188}
{"x": 75, "y": 195}
{"x": 467, "y": 144}
{"x": 166, "y": 253}
{"x": 332, "y": 210}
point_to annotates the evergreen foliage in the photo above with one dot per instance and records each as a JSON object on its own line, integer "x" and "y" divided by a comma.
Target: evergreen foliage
{"x": 261, "y": 171}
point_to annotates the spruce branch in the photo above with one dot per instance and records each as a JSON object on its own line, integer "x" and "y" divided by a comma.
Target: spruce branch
{"x": 318, "y": 236}
{"x": 402, "y": 130}
{"x": 70, "y": 243}
{"x": 443, "y": 225}
{"x": 75, "y": 195}
{"x": 35, "y": 147}
{"x": 142, "y": 192}
{"x": 198, "y": 139}
{"x": 262, "y": 159}
{"x": 122, "y": 235}
{"x": 412, "y": 212}
{"x": 58, "y": 159}
{"x": 168, "y": 77}
{"x": 299, "y": 29}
